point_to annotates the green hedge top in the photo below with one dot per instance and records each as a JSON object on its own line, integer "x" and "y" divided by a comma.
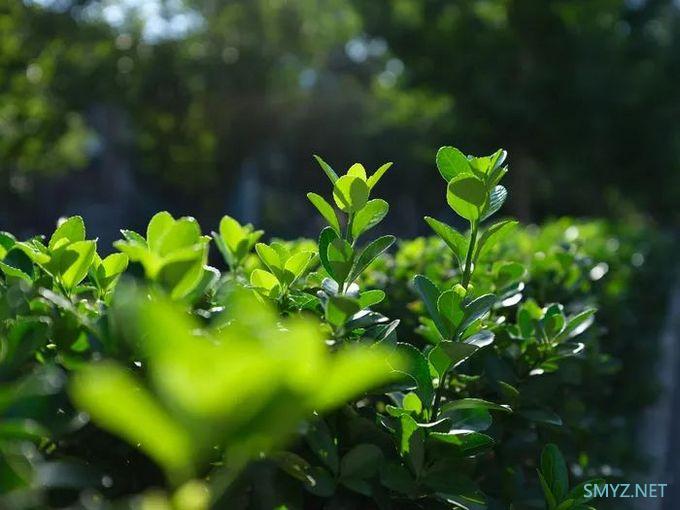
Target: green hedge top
{"x": 319, "y": 374}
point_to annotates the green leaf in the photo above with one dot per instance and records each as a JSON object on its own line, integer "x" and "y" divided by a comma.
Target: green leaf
{"x": 412, "y": 403}
{"x": 296, "y": 265}
{"x": 72, "y": 262}
{"x": 450, "y": 307}
{"x": 473, "y": 403}
{"x": 417, "y": 368}
{"x": 372, "y": 213}
{"x": 357, "y": 170}
{"x": 492, "y": 235}
{"x": 475, "y": 419}
{"x": 456, "y": 241}
{"x": 7, "y": 241}
{"x": 231, "y": 232}
{"x": 114, "y": 264}
{"x": 477, "y": 308}
{"x": 133, "y": 237}
{"x": 340, "y": 257}
{"x": 325, "y": 209}
{"x": 363, "y": 461}
{"x": 266, "y": 283}
{"x": 373, "y": 179}
{"x": 467, "y": 195}
{"x": 323, "y": 444}
{"x": 545, "y": 416}
{"x": 327, "y": 236}
{"x": 158, "y": 226}
{"x": 327, "y": 169}
{"x": 496, "y": 200}
{"x": 455, "y": 352}
{"x": 554, "y": 470}
{"x": 369, "y": 254}
{"x": 578, "y": 324}
{"x": 412, "y": 443}
{"x": 371, "y": 297}
{"x": 549, "y": 496}
{"x": 17, "y": 264}
{"x": 578, "y": 493}
{"x": 340, "y": 308}
{"x": 23, "y": 340}
{"x": 70, "y": 230}
{"x": 117, "y": 402}
{"x": 270, "y": 257}
{"x": 480, "y": 338}
{"x": 451, "y": 163}
{"x": 429, "y": 293}
{"x": 397, "y": 477}
{"x": 183, "y": 233}
{"x": 463, "y": 443}
{"x": 350, "y": 193}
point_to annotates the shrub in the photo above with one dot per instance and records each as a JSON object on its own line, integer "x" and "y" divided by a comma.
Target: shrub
{"x": 296, "y": 379}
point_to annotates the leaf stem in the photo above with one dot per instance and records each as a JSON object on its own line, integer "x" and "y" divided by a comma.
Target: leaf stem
{"x": 467, "y": 270}
{"x": 438, "y": 395}
{"x": 348, "y": 228}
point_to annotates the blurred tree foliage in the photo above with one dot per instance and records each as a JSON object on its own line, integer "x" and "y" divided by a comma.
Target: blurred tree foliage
{"x": 583, "y": 92}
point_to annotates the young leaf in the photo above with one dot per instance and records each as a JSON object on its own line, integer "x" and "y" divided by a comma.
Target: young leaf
{"x": 451, "y": 163}
{"x": 467, "y": 196}
{"x": 182, "y": 233}
{"x": 325, "y": 209}
{"x": 72, "y": 230}
{"x": 373, "y": 179}
{"x": 327, "y": 169}
{"x": 270, "y": 258}
{"x": 369, "y": 216}
{"x": 357, "y": 170}
{"x": 72, "y": 262}
{"x": 266, "y": 283}
{"x": 350, "y": 193}
{"x": 158, "y": 226}
{"x": 296, "y": 265}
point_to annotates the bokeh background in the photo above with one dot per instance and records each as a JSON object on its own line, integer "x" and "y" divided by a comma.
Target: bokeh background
{"x": 114, "y": 109}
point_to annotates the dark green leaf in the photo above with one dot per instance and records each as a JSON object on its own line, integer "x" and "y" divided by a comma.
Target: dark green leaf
{"x": 496, "y": 200}
{"x": 369, "y": 254}
{"x": 456, "y": 241}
